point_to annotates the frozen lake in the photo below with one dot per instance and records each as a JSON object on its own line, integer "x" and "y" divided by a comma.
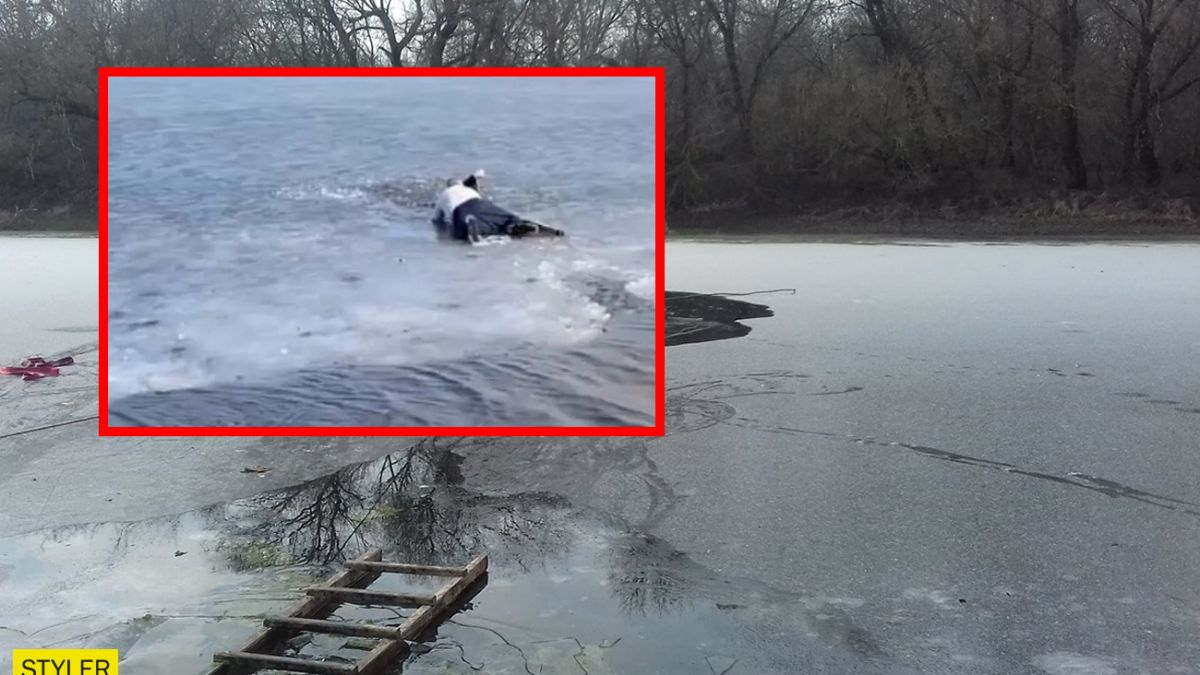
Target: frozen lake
{"x": 47, "y": 295}
{"x": 932, "y": 458}
{"x": 975, "y": 458}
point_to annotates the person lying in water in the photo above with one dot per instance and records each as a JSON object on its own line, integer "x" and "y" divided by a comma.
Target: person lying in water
{"x": 462, "y": 213}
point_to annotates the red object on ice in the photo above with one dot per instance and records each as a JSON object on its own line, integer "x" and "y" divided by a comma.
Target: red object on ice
{"x": 35, "y": 368}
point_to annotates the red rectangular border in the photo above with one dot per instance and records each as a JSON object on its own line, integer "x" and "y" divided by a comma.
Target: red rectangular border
{"x": 658, "y": 429}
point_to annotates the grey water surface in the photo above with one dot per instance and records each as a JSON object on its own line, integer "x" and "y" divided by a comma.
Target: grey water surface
{"x": 271, "y": 258}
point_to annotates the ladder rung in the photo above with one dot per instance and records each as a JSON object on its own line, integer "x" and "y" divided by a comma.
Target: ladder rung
{"x": 383, "y": 656}
{"x": 348, "y": 587}
{"x": 333, "y": 627}
{"x": 421, "y": 619}
{"x": 287, "y": 663}
{"x": 404, "y": 568}
{"x": 318, "y": 607}
{"x": 368, "y": 597}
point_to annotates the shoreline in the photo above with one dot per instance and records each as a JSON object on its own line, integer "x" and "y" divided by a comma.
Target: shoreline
{"x": 965, "y": 227}
{"x": 50, "y": 234}
{"x": 49, "y": 221}
{"x": 893, "y": 239}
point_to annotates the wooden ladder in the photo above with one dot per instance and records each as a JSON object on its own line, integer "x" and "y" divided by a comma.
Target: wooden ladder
{"x": 350, "y": 587}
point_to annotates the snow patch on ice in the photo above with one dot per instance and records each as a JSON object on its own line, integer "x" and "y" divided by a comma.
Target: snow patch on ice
{"x": 1070, "y": 663}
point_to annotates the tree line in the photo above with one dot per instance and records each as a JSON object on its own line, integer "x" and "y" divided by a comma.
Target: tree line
{"x": 774, "y": 102}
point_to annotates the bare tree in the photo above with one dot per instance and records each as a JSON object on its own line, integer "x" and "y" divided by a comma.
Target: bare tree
{"x": 1150, "y": 80}
{"x": 379, "y": 15}
{"x": 446, "y": 19}
{"x": 770, "y": 23}
{"x": 856, "y": 94}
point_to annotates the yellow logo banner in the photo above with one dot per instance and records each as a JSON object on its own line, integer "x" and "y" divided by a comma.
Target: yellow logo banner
{"x": 64, "y": 662}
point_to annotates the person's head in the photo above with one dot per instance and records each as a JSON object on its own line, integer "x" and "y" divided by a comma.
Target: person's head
{"x": 472, "y": 181}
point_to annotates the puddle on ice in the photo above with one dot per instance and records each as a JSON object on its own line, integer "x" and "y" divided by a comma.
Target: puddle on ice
{"x": 566, "y": 594}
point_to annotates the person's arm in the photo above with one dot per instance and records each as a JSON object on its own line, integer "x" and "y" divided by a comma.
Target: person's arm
{"x": 473, "y": 235}
{"x": 440, "y": 216}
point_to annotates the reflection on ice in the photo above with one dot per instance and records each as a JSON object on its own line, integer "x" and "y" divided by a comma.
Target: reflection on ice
{"x": 564, "y": 591}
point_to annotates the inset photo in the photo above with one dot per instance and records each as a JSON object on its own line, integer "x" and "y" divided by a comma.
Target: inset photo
{"x": 375, "y": 251}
